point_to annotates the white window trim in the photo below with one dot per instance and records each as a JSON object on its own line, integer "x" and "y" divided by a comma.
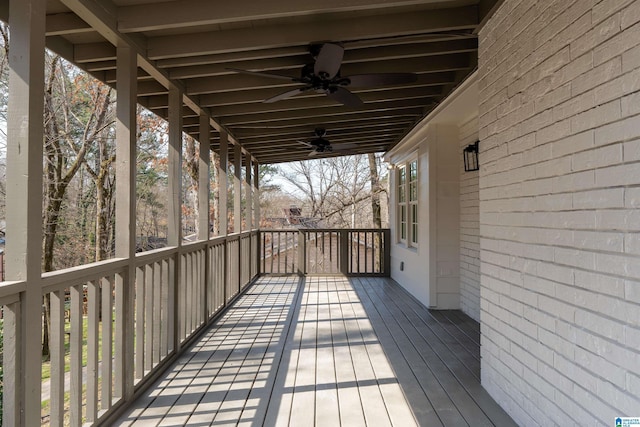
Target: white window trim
{"x": 411, "y": 238}
{"x": 400, "y": 204}
{"x": 408, "y": 239}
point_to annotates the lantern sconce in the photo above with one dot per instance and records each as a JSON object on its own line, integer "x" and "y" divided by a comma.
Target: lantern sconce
{"x": 471, "y": 157}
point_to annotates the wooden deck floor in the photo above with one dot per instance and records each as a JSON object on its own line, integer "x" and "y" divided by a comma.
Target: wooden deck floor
{"x": 326, "y": 351}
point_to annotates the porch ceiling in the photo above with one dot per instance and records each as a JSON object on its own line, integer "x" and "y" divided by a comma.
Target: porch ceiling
{"x": 194, "y": 42}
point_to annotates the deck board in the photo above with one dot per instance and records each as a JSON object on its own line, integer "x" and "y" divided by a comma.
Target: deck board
{"x": 325, "y": 351}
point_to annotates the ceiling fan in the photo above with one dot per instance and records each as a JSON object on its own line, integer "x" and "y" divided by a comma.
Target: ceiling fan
{"x": 323, "y": 76}
{"x": 321, "y": 145}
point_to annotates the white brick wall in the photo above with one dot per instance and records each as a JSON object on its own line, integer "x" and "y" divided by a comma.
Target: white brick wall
{"x": 559, "y": 190}
{"x": 469, "y": 228}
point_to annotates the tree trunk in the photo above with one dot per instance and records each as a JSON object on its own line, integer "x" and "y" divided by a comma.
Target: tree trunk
{"x": 191, "y": 160}
{"x": 375, "y": 191}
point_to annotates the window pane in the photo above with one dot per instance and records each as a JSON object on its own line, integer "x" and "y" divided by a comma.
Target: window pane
{"x": 403, "y": 222}
{"x": 402, "y": 175}
{"x": 414, "y": 223}
{"x": 413, "y": 170}
{"x": 413, "y": 191}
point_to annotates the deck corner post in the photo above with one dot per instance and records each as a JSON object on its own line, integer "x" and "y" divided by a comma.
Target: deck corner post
{"x": 344, "y": 252}
{"x": 386, "y": 244}
{"x": 302, "y": 253}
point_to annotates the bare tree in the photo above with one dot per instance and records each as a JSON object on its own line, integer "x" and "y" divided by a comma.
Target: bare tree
{"x": 376, "y": 189}
{"x": 75, "y": 114}
{"x": 335, "y": 190}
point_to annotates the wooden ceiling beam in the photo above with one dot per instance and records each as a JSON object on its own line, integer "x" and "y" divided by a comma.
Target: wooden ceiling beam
{"x": 377, "y": 107}
{"x": 303, "y": 50}
{"x": 307, "y": 132}
{"x": 325, "y": 102}
{"x": 238, "y": 82}
{"x": 275, "y": 36}
{"x": 293, "y": 64}
{"x": 329, "y": 121}
{"x": 320, "y": 118}
{"x": 66, "y": 23}
{"x": 363, "y": 137}
{"x": 258, "y": 95}
{"x": 189, "y": 13}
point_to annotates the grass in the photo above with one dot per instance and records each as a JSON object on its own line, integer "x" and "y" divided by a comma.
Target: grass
{"x": 46, "y": 364}
{"x": 46, "y": 367}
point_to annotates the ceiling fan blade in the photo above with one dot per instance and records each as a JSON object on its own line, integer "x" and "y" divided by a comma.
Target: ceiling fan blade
{"x": 305, "y": 143}
{"x": 345, "y": 97}
{"x": 284, "y": 95}
{"x": 264, "y": 74}
{"x": 328, "y": 61}
{"x": 382, "y": 79}
{"x": 313, "y": 153}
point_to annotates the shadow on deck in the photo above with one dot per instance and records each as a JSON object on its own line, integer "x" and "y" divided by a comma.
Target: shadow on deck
{"x": 326, "y": 351}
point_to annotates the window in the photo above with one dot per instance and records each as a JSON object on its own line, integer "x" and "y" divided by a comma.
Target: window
{"x": 402, "y": 203}
{"x": 408, "y": 203}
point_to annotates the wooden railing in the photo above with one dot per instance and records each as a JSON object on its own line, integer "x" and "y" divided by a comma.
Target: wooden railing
{"x": 111, "y": 337}
{"x": 325, "y": 251}
{"x": 115, "y": 325}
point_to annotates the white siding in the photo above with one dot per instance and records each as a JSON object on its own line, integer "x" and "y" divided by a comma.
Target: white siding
{"x": 432, "y": 269}
{"x": 559, "y": 127}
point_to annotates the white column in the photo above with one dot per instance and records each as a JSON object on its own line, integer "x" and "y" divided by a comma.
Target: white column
{"x": 24, "y": 209}
{"x": 223, "y": 214}
{"x": 204, "y": 163}
{"x": 126, "y": 86}
{"x": 237, "y": 188}
{"x": 249, "y": 192}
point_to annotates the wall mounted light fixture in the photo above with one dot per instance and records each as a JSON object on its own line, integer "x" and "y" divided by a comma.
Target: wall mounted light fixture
{"x": 470, "y": 154}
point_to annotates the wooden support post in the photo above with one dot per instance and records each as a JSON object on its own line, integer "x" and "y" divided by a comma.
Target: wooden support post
{"x": 223, "y": 214}
{"x": 204, "y": 163}
{"x": 174, "y": 232}
{"x": 223, "y": 192}
{"x": 249, "y": 192}
{"x": 256, "y": 194}
{"x": 237, "y": 188}
{"x": 237, "y": 210}
{"x": 22, "y": 358}
{"x": 126, "y": 133}
{"x": 256, "y": 211}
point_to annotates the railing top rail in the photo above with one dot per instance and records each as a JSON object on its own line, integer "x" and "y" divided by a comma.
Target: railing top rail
{"x": 9, "y": 290}
{"x": 154, "y": 255}
{"x": 51, "y": 281}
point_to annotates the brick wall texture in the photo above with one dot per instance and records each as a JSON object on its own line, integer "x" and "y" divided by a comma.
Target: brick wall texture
{"x": 559, "y": 127}
{"x": 469, "y": 228}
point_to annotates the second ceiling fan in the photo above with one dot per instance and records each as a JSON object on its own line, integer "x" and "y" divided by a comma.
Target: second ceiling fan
{"x": 323, "y": 76}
